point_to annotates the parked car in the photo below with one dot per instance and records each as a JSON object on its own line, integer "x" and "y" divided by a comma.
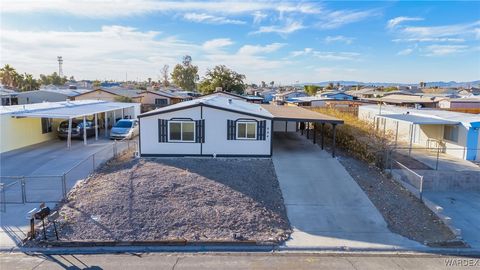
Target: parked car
{"x": 77, "y": 129}
{"x": 124, "y": 129}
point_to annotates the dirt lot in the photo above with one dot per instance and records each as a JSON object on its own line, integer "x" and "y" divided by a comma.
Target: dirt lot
{"x": 179, "y": 198}
{"x": 404, "y": 213}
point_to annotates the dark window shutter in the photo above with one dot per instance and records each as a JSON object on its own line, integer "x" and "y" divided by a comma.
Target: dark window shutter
{"x": 261, "y": 130}
{"x": 162, "y": 130}
{"x": 231, "y": 129}
{"x": 200, "y": 131}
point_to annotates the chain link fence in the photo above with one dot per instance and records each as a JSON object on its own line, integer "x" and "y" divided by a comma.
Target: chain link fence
{"x": 54, "y": 188}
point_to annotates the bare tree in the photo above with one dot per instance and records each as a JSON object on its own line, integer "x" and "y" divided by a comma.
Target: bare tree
{"x": 165, "y": 81}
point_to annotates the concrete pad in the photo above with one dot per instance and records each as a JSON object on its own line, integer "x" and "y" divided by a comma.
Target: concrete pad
{"x": 463, "y": 208}
{"x": 325, "y": 205}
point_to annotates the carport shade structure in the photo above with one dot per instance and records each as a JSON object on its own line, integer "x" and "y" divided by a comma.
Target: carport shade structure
{"x": 298, "y": 114}
{"x": 415, "y": 120}
{"x": 72, "y": 111}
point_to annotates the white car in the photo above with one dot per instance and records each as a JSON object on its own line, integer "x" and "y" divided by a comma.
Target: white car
{"x": 124, "y": 129}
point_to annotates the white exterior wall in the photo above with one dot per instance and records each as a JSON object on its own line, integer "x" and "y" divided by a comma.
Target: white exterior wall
{"x": 421, "y": 132}
{"x": 279, "y": 126}
{"x": 318, "y": 103}
{"x": 215, "y": 135}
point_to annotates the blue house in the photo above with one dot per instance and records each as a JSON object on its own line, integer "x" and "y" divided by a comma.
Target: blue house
{"x": 336, "y": 95}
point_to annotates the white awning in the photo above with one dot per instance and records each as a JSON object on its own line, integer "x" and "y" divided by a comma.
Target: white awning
{"x": 420, "y": 120}
{"x": 73, "y": 110}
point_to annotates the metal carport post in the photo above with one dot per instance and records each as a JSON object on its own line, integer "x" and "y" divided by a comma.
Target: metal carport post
{"x": 69, "y": 136}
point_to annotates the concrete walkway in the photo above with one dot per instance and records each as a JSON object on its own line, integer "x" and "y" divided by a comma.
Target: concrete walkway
{"x": 463, "y": 207}
{"x": 325, "y": 206}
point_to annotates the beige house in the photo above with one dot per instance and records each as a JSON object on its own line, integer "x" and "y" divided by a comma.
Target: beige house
{"x": 111, "y": 95}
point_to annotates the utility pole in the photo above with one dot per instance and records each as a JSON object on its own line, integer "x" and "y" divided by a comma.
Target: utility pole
{"x": 60, "y": 63}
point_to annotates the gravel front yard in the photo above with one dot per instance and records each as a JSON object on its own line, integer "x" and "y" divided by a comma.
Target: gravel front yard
{"x": 194, "y": 199}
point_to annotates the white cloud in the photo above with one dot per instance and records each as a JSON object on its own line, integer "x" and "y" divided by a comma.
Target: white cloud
{"x": 429, "y": 40}
{"x": 407, "y": 51}
{"x": 453, "y": 30}
{"x": 112, "y": 51}
{"x": 343, "y": 39}
{"x": 324, "y": 55}
{"x": 211, "y": 19}
{"x": 217, "y": 43}
{"x": 442, "y": 50}
{"x": 259, "y": 16}
{"x": 117, "y": 8}
{"x": 398, "y": 20}
{"x": 256, "y": 49}
{"x": 289, "y": 27}
{"x": 336, "y": 19}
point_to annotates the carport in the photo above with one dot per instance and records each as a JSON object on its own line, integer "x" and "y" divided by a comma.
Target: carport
{"x": 413, "y": 120}
{"x": 308, "y": 117}
{"x": 81, "y": 109}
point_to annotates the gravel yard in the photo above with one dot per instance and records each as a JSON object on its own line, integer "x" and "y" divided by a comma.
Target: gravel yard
{"x": 195, "y": 199}
{"x": 404, "y": 213}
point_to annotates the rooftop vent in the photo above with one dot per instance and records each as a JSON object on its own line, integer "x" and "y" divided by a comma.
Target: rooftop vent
{"x": 229, "y": 101}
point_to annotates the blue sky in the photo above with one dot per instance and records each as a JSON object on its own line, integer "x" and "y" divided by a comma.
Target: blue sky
{"x": 283, "y": 41}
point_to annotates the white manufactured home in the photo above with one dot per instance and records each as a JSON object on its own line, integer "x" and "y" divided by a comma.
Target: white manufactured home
{"x": 209, "y": 126}
{"x": 217, "y": 125}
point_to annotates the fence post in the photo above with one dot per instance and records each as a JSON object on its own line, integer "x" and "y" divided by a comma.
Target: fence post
{"x": 64, "y": 186}
{"x": 24, "y": 195}
{"x": 421, "y": 188}
{"x": 438, "y": 156}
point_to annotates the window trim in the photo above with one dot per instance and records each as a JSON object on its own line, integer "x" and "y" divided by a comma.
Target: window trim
{"x": 246, "y": 138}
{"x": 160, "y": 104}
{"x": 181, "y": 122}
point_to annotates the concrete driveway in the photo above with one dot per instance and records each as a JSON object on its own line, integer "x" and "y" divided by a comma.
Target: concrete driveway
{"x": 463, "y": 207}
{"x": 325, "y": 206}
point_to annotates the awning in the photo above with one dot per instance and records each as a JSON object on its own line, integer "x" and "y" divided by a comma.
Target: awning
{"x": 294, "y": 113}
{"x": 73, "y": 110}
{"x": 419, "y": 120}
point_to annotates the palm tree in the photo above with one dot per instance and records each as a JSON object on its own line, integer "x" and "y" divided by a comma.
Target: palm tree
{"x": 29, "y": 83}
{"x": 8, "y": 75}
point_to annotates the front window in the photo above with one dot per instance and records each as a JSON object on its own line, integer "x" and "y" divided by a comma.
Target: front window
{"x": 124, "y": 124}
{"x": 181, "y": 131}
{"x": 450, "y": 133}
{"x": 161, "y": 101}
{"x": 247, "y": 130}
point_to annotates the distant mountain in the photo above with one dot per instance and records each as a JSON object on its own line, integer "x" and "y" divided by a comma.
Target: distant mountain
{"x": 386, "y": 84}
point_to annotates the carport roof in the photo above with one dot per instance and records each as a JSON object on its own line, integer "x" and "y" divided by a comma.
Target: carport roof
{"x": 294, "y": 113}
{"x": 67, "y": 109}
{"x": 420, "y": 120}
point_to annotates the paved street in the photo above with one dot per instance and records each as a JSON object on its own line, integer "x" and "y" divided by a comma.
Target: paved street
{"x": 325, "y": 206}
{"x": 464, "y": 209}
{"x": 234, "y": 261}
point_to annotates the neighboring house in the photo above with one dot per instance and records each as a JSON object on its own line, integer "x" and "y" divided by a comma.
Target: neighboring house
{"x": 213, "y": 125}
{"x": 456, "y": 134}
{"x": 112, "y": 94}
{"x": 312, "y": 101}
{"x": 288, "y": 95}
{"x": 49, "y": 95}
{"x": 365, "y": 93}
{"x": 460, "y": 103}
{"x": 335, "y": 95}
{"x": 156, "y": 99}
{"x": 28, "y": 124}
{"x": 251, "y": 99}
{"x": 413, "y": 101}
{"x": 8, "y": 96}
